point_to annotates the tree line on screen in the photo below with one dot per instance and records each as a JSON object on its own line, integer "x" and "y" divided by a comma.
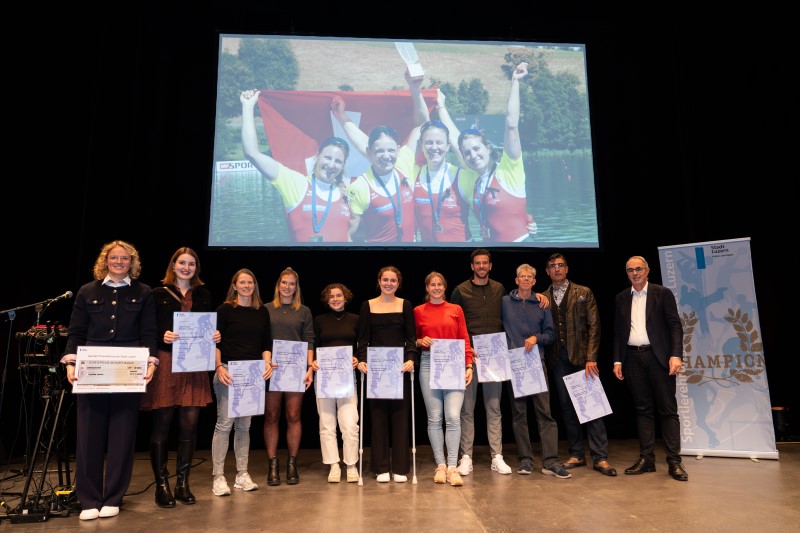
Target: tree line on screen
{"x": 554, "y": 112}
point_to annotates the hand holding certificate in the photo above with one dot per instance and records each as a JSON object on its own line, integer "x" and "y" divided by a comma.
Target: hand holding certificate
{"x": 528, "y": 372}
{"x": 587, "y": 395}
{"x": 248, "y": 388}
{"x": 385, "y": 373}
{"x": 492, "y": 361}
{"x": 291, "y": 358}
{"x": 195, "y": 348}
{"x": 335, "y": 375}
{"x": 447, "y": 364}
{"x": 110, "y": 369}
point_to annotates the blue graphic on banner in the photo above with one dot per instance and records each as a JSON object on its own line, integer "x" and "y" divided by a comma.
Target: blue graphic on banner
{"x": 722, "y": 389}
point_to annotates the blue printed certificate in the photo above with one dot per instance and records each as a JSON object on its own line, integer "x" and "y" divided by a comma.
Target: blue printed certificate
{"x": 528, "y": 373}
{"x": 195, "y": 350}
{"x": 385, "y": 373}
{"x": 448, "y": 370}
{"x": 492, "y": 357}
{"x": 588, "y": 396}
{"x": 335, "y": 377}
{"x": 246, "y": 393}
{"x": 292, "y": 360}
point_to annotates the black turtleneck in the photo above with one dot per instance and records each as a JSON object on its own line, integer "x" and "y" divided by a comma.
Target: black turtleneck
{"x": 336, "y": 328}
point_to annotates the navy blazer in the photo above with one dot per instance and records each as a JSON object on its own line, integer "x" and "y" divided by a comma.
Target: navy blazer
{"x": 663, "y": 323}
{"x": 113, "y": 316}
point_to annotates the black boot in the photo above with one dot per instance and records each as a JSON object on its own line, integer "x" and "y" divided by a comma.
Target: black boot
{"x": 158, "y": 460}
{"x": 291, "y": 471}
{"x": 182, "y": 492}
{"x": 274, "y": 475}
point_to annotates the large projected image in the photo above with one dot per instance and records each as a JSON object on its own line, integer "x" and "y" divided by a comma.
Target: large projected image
{"x": 355, "y": 143}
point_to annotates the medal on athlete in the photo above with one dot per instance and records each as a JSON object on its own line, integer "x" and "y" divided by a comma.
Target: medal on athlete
{"x": 485, "y": 232}
{"x": 317, "y": 225}
{"x": 438, "y": 228}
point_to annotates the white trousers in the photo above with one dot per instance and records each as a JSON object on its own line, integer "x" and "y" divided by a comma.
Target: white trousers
{"x": 346, "y": 411}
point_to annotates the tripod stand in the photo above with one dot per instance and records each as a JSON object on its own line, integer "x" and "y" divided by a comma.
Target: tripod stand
{"x": 44, "y": 371}
{"x": 37, "y": 508}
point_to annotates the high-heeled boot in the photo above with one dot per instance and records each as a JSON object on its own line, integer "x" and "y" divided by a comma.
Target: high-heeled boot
{"x": 182, "y": 492}
{"x": 291, "y": 471}
{"x": 274, "y": 474}
{"x": 158, "y": 460}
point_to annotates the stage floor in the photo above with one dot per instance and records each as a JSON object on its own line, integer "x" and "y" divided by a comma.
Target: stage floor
{"x": 722, "y": 495}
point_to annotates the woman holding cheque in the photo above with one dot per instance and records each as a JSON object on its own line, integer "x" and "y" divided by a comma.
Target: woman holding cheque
{"x": 438, "y": 321}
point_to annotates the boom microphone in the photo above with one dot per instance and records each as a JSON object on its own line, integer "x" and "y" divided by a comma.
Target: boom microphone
{"x": 67, "y": 294}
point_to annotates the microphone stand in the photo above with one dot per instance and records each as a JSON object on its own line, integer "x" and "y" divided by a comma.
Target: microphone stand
{"x": 41, "y": 307}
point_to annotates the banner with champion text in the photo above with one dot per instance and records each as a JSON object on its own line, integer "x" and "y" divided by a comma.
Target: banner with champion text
{"x": 722, "y": 389}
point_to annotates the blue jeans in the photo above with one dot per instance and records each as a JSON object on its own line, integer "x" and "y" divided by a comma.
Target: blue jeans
{"x": 595, "y": 429}
{"x": 222, "y": 431}
{"x": 437, "y": 403}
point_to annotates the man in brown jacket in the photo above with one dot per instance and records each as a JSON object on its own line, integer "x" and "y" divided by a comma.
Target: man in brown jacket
{"x": 577, "y": 325}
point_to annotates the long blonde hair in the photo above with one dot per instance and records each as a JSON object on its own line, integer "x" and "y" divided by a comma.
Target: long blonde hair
{"x": 297, "y": 299}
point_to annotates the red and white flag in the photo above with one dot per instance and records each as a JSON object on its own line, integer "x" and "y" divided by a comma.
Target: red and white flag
{"x": 296, "y": 122}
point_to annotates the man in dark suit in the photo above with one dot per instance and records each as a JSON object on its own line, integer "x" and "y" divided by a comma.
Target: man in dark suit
{"x": 648, "y": 348}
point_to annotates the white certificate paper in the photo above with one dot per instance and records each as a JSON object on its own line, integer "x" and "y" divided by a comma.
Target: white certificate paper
{"x": 588, "y": 396}
{"x": 492, "y": 361}
{"x": 335, "y": 377}
{"x": 195, "y": 350}
{"x": 385, "y": 373}
{"x": 292, "y": 360}
{"x": 247, "y": 393}
{"x": 528, "y": 372}
{"x": 110, "y": 369}
{"x": 448, "y": 364}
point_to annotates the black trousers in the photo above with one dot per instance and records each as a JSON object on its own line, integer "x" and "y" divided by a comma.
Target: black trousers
{"x": 106, "y": 433}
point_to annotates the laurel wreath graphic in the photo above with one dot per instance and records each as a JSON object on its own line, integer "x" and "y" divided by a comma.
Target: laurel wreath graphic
{"x": 749, "y": 343}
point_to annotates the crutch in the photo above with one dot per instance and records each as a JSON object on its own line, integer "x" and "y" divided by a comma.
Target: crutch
{"x": 361, "y": 434}
{"x": 413, "y": 435}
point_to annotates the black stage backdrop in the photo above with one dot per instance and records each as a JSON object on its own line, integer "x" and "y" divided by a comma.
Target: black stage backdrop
{"x": 115, "y": 121}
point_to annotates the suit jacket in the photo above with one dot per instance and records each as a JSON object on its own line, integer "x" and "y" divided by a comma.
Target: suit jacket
{"x": 583, "y": 326}
{"x": 663, "y": 323}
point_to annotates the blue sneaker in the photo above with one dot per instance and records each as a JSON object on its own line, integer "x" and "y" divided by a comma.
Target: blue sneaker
{"x": 525, "y": 468}
{"x": 556, "y": 470}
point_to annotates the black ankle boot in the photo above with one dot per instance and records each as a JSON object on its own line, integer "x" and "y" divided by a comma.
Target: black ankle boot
{"x": 274, "y": 475}
{"x": 182, "y": 492}
{"x": 158, "y": 460}
{"x": 291, "y": 471}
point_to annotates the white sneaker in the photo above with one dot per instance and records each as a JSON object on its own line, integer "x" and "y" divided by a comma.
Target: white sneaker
{"x": 400, "y": 478}
{"x": 220, "y": 487}
{"x": 500, "y": 466}
{"x": 107, "y": 511}
{"x": 465, "y": 465}
{"x": 244, "y": 482}
{"x": 335, "y": 475}
{"x": 384, "y": 478}
{"x": 89, "y": 514}
{"x": 352, "y": 474}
